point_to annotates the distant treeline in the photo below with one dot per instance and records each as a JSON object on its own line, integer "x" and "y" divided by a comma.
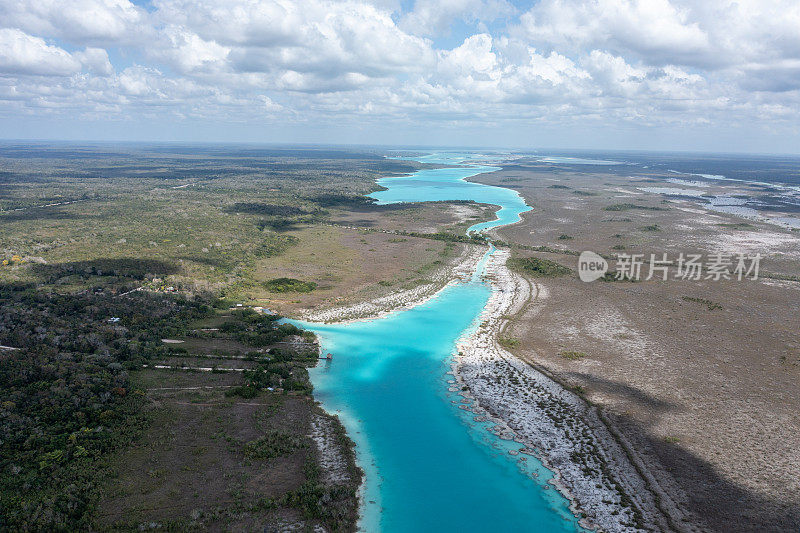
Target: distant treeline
{"x": 472, "y": 238}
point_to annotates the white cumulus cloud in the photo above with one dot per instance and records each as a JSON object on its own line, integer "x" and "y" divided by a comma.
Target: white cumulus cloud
{"x": 21, "y": 53}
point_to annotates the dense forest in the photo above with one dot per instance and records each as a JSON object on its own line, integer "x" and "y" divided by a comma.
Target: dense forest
{"x": 66, "y": 393}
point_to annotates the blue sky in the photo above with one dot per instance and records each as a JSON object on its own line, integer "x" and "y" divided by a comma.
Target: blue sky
{"x": 715, "y": 75}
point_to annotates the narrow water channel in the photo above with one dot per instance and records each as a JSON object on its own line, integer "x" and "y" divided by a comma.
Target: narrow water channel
{"x": 429, "y": 465}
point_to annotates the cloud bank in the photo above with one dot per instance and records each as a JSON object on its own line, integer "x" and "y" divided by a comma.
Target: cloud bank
{"x": 470, "y": 66}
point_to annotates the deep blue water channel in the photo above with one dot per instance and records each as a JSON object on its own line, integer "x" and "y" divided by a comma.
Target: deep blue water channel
{"x": 429, "y": 466}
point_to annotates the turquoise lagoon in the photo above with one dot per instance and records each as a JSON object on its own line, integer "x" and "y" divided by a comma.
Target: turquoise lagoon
{"x": 429, "y": 466}
{"x": 430, "y": 185}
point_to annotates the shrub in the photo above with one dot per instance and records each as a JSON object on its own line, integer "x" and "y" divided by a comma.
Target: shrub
{"x": 538, "y": 267}
{"x": 289, "y": 285}
{"x": 572, "y": 356}
{"x": 273, "y": 444}
{"x": 242, "y": 391}
{"x": 508, "y": 342}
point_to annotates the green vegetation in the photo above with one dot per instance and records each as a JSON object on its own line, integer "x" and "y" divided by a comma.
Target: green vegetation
{"x": 564, "y": 237}
{"x": 316, "y": 500}
{"x": 255, "y": 329}
{"x": 546, "y": 249}
{"x": 572, "y": 356}
{"x": 342, "y": 200}
{"x": 557, "y": 187}
{"x": 66, "y": 397}
{"x": 508, "y": 342}
{"x": 629, "y": 206}
{"x": 584, "y": 193}
{"x": 207, "y": 215}
{"x": 473, "y": 238}
{"x": 712, "y": 306}
{"x": 285, "y": 373}
{"x": 651, "y": 227}
{"x": 242, "y": 391}
{"x": 538, "y": 267}
{"x": 289, "y": 285}
{"x": 66, "y": 393}
{"x": 273, "y": 444}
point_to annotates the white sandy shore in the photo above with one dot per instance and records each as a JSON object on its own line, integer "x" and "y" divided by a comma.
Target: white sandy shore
{"x": 333, "y": 462}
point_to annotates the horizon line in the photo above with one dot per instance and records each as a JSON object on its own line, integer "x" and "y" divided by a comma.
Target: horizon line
{"x": 4, "y": 140}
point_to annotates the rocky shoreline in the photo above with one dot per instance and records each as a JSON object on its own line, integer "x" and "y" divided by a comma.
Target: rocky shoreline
{"x": 607, "y": 490}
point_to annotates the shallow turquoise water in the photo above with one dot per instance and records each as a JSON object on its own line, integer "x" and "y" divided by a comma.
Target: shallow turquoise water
{"x": 448, "y": 184}
{"x": 429, "y": 466}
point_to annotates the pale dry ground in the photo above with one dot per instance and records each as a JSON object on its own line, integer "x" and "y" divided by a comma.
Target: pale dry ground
{"x": 353, "y": 265}
{"x": 709, "y": 398}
